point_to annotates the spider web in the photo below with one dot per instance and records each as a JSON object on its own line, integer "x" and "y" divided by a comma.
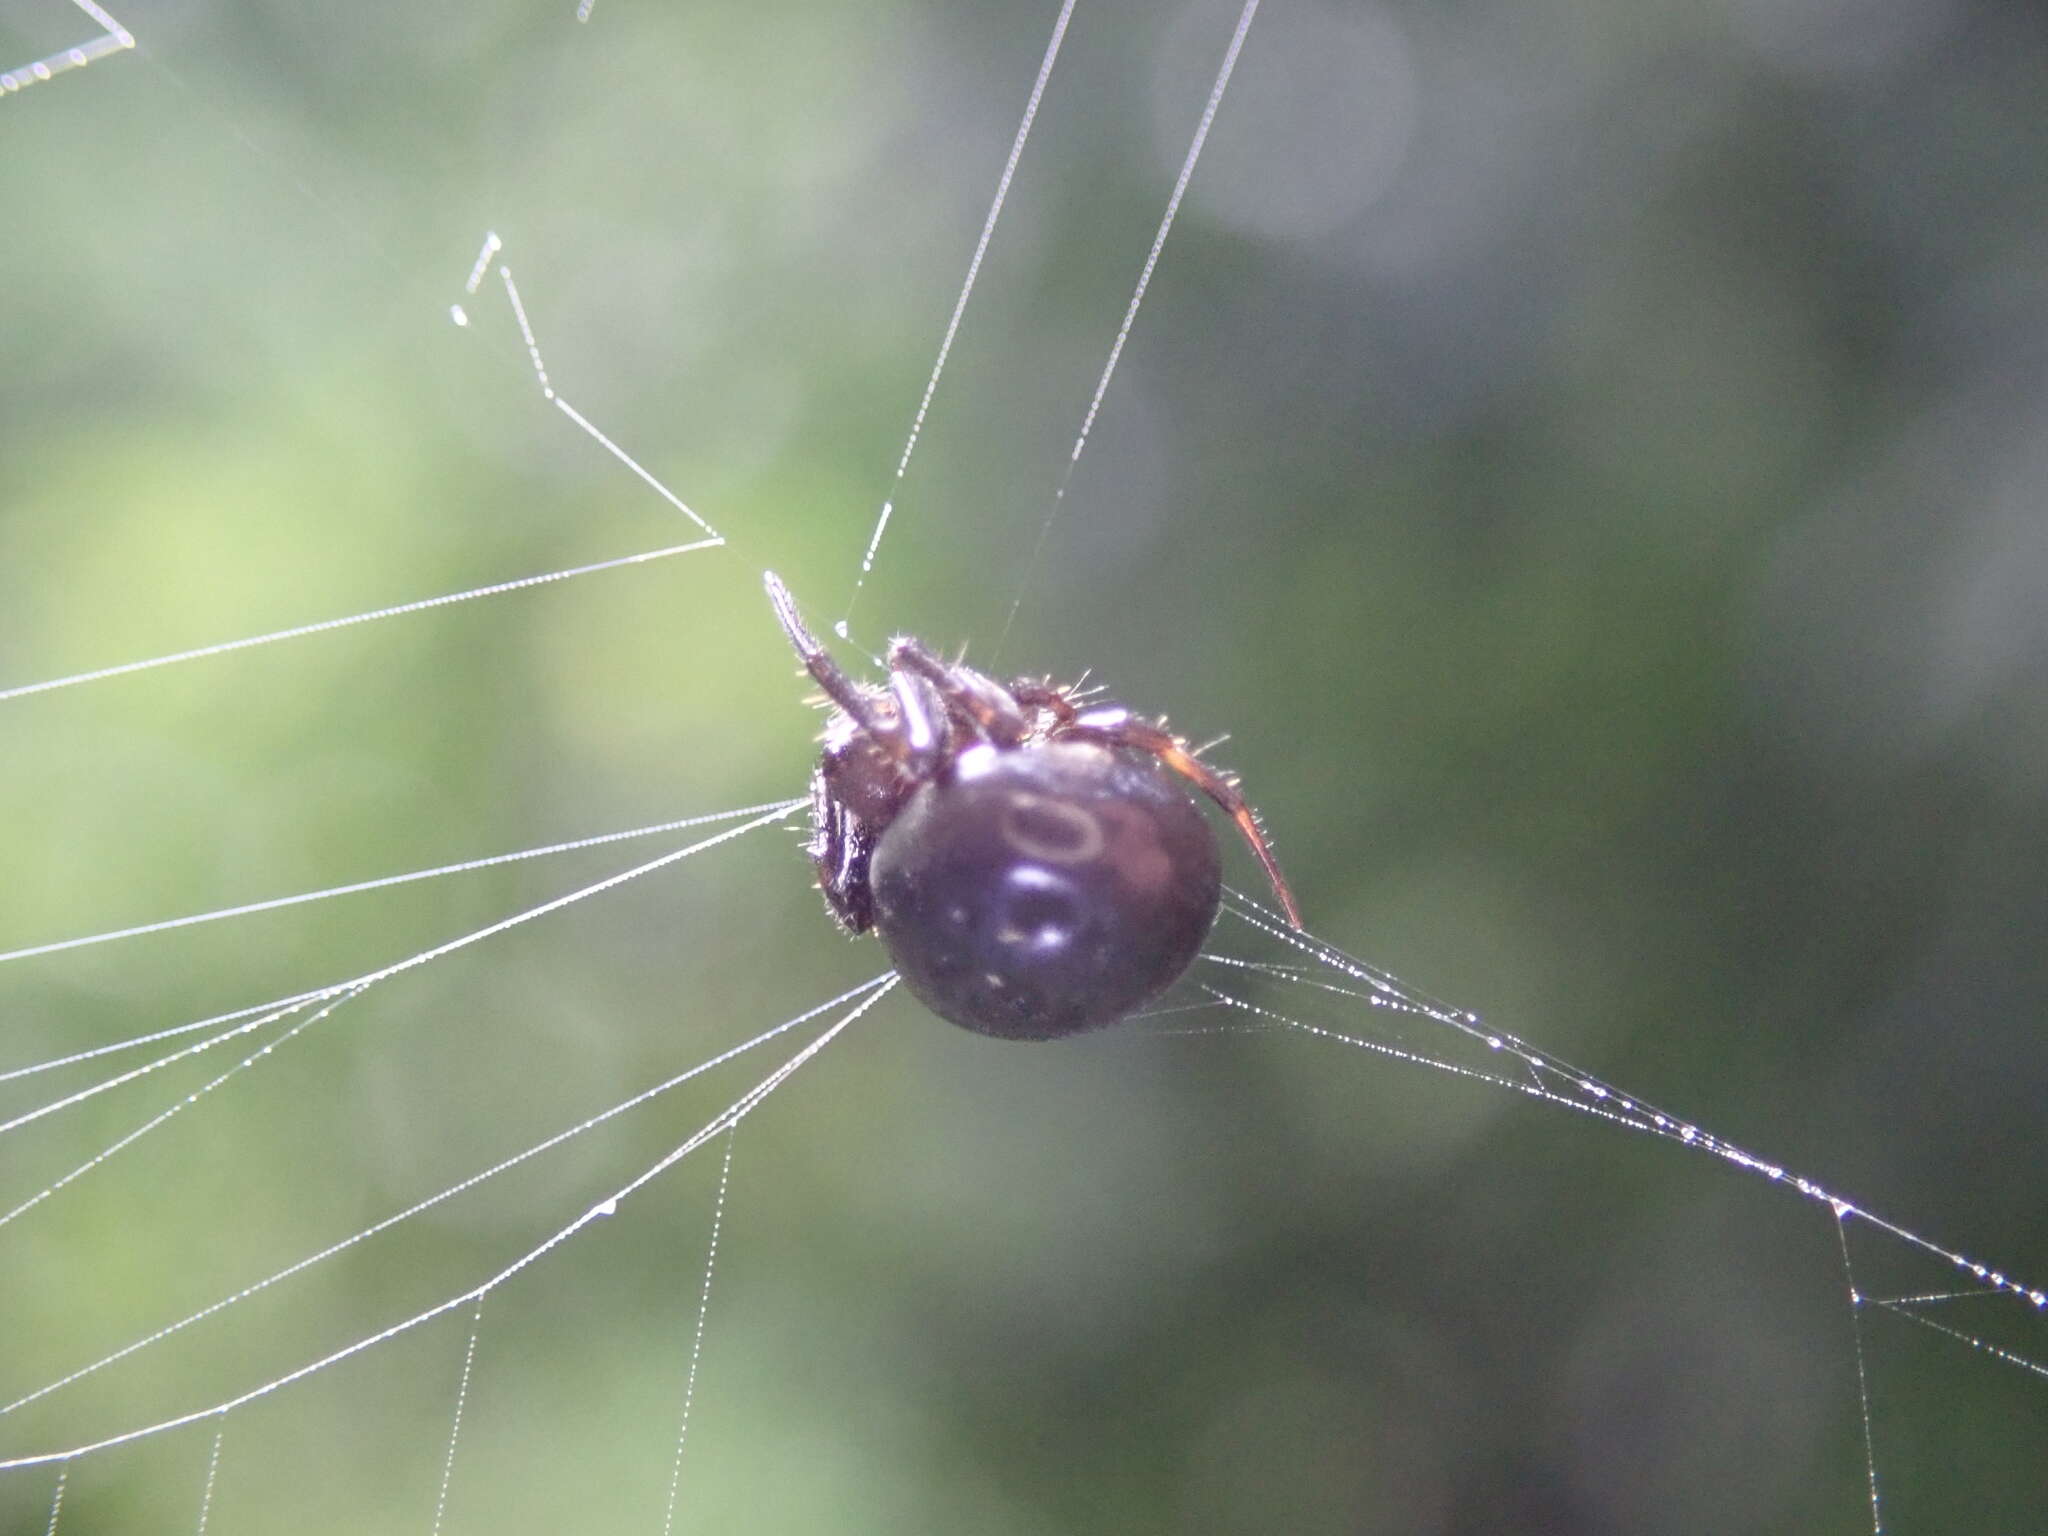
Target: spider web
{"x": 1217, "y": 1281}
{"x": 110, "y": 39}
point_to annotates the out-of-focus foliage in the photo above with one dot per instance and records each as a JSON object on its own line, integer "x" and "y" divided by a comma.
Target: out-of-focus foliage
{"x": 1592, "y": 459}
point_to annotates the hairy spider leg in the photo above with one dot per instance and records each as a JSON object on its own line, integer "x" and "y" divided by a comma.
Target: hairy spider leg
{"x": 983, "y": 700}
{"x": 1119, "y": 728}
{"x": 839, "y": 688}
{"x": 923, "y": 730}
{"x": 1048, "y": 696}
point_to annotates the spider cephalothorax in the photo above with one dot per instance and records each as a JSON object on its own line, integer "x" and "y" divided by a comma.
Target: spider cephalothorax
{"x": 1030, "y": 859}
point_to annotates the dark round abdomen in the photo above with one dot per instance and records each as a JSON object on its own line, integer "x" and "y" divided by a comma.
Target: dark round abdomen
{"x": 1045, "y": 890}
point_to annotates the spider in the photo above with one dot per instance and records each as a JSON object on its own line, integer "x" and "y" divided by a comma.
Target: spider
{"x": 1032, "y": 866}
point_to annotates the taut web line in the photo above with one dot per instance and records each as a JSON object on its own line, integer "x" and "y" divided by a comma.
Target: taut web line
{"x": 113, "y": 38}
{"x": 491, "y": 247}
{"x": 461, "y": 1187}
{"x": 1123, "y": 332}
{"x": 322, "y": 626}
{"x": 1558, "y": 1082}
{"x": 333, "y": 997}
{"x": 724, "y": 1120}
{"x": 382, "y": 882}
{"x": 931, "y": 384}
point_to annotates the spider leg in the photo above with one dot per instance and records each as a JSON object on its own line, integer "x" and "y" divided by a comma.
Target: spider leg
{"x": 986, "y": 702}
{"x": 1054, "y": 700}
{"x": 922, "y": 711}
{"x": 1120, "y": 728}
{"x": 839, "y": 688}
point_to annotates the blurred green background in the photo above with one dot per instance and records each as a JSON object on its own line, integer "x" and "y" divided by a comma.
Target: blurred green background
{"x": 1589, "y": 456}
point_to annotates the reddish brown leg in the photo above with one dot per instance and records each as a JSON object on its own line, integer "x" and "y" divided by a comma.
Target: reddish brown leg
{"x": 1115, "y": 728}
{"x": 1045, "y": 696}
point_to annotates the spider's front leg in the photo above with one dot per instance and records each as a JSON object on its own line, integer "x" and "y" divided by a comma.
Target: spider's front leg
{"x": 1116, "y": 727}
{"x": 858, "y": 702}
{"x": 992, "y": 708}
